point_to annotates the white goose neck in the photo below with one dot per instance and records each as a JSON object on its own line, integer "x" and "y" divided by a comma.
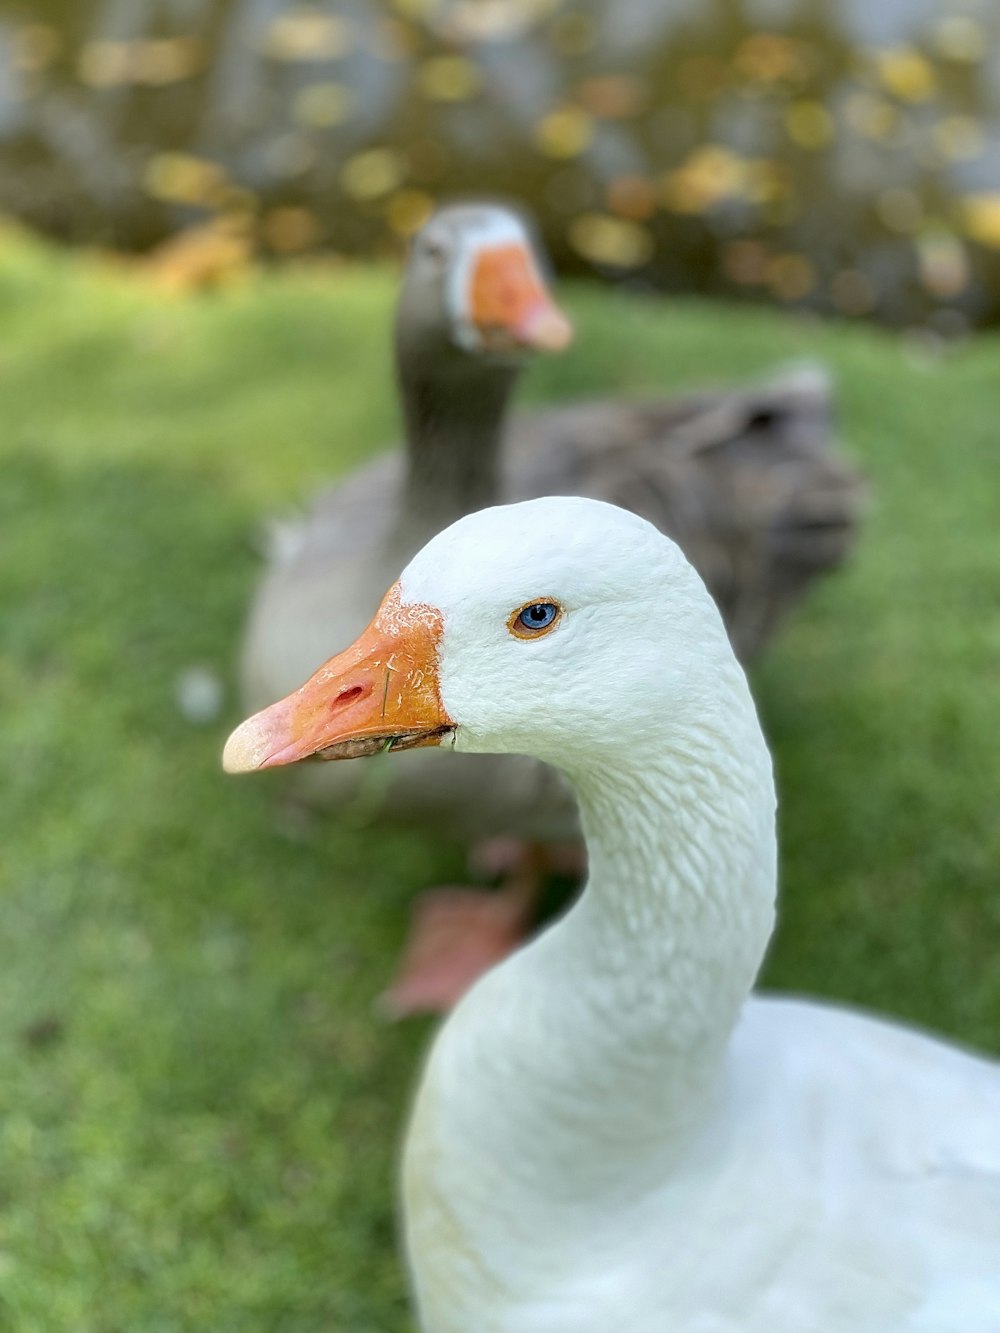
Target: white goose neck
{"x": 680, "y": 900}
{"x": 600, "y": 1044}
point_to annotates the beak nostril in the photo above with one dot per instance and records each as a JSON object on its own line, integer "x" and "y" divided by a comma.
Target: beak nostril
{"x": 348, "y": 696}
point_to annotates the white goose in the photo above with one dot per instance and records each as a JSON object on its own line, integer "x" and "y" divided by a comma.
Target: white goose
{"x": 611, "y": 1135}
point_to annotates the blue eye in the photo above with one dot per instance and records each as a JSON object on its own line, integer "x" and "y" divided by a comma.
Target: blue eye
{"x": 536, "y": 617}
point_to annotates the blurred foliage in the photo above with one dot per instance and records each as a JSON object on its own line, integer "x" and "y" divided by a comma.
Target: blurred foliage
{"x": 198, "y": 1107}
{"x": 828, "y": 153}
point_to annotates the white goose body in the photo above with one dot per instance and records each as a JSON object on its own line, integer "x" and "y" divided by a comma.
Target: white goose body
{"x": 610, "y": 1136}
{"x": 845, "y": 1178}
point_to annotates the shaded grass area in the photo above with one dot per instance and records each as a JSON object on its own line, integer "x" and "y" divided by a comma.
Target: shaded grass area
{"x": 199, "y": 1107}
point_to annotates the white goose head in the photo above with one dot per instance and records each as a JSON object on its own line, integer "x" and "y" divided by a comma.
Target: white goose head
{"x": 562, "y": 628}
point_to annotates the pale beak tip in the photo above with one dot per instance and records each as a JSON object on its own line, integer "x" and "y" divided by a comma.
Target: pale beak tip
{"x": 247, "y": 748}
{"x": 548, "y": 329}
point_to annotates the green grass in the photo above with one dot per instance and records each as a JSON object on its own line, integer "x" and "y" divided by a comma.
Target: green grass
{"x": 198, "y": 1109}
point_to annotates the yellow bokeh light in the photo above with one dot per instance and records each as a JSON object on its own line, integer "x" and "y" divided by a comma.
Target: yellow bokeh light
{"x": 942, "y": 262}
{"x": 612, "y": 241}
{"x": 371, "y": 174}
{"x": 417, "y": 10}
{"x": 181, "y": 178}
{"x": 448, "y": 79}
{"x": 156, "y": 62}
{"x": 495, "y": 20}
{"x": 565, "y": 132}
{"x": 104, "y": 64}
{"x": 307, "y": 34}
{"x": 959, "y": 138}
{"x": 168, "y": 59}
{"x": 981, "y": 218}
{"x": 906, "y": 74}
{"x": 960, "y": 37}
{"x": 770, "y": 57}
{"x": 809, "y": 125}
{"x": 706, "y": 177}
{"x": 323, "y": 105}
{"x": 408, "y": 211}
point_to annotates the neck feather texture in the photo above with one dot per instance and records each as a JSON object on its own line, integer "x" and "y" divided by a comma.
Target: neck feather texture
{"x": 580, "y": 1067}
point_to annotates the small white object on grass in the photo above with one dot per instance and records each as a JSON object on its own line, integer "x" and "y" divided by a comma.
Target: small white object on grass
{"x": 199, "y": 693}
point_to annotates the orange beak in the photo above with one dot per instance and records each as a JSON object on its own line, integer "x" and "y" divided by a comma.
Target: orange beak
{"x": 381, "y": 693}
{"x": 509, "y": 303}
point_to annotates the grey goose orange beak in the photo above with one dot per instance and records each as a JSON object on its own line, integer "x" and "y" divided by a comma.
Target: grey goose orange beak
{"x": 381, "y": 693}
{"x": 509, "y": 304}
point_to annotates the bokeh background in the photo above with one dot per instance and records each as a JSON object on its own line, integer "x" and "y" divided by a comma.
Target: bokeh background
{"x": 833, "y": 154}
{"x": 204, "y": 209}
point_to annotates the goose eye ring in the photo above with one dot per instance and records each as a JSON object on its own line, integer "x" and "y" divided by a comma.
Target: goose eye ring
{"x": 534, "y": 619}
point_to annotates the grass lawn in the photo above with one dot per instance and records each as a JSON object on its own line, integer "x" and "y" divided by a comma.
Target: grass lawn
{"x": 198, "y": 1109}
